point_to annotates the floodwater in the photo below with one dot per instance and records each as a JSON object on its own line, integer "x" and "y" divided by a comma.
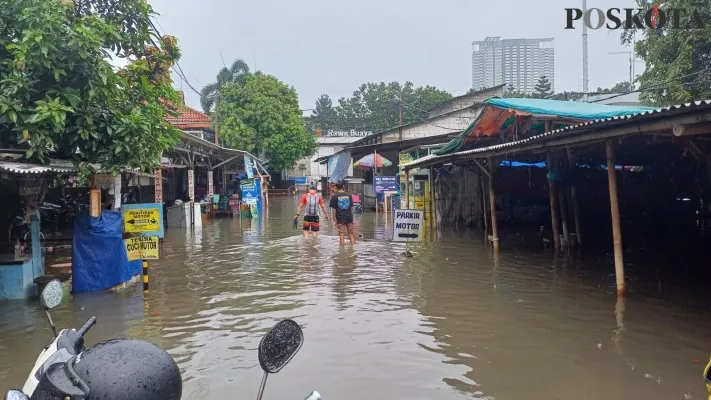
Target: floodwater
{"x": 450, "y": 323}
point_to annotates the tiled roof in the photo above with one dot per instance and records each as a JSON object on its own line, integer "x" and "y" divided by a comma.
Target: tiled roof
{"x": 189, "y": 117}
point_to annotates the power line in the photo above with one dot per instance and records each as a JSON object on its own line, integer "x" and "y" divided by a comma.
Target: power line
{"x": 181, "y": 73}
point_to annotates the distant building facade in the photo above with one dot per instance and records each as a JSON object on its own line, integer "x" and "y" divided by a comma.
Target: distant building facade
{"x": 518, "y": 63}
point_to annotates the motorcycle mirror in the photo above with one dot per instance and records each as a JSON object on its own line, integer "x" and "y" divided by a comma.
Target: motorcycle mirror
{"x": 50, "y": 298}
{"x": 277, "y": 348}
{"x": 52, "y": 294}
{"x": 13, "y": 394}
{"x": 280, "y": 345}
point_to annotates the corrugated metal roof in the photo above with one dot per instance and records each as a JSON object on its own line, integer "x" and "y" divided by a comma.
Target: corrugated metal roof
{"x": 21, "y": 168}
{"x": 593, "y": 124}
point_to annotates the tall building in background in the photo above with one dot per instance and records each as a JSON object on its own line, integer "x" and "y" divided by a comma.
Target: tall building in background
{"x": 518, "y": 63}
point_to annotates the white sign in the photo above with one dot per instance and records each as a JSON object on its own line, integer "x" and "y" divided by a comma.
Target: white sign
{"x": 342, "y": 133}
{"x": 408, "y": 225}
{"x": 210, "y": 185}
{"x": 191, "y": 185}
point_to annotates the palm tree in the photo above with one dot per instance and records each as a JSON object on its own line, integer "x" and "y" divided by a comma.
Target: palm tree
{"x": 210, "y": 93}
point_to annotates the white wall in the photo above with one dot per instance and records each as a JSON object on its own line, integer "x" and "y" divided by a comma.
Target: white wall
{"x": 453, "y": 122}
{"x": 313, "y": 169}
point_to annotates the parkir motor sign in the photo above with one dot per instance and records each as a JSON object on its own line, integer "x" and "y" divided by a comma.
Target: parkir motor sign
{"x": 408, "y": 225}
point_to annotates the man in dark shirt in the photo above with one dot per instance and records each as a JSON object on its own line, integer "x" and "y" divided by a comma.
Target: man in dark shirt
{"x": 341, "y": 204}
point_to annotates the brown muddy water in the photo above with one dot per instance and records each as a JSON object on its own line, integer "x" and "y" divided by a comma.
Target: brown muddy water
{"x": 450, "y": 323}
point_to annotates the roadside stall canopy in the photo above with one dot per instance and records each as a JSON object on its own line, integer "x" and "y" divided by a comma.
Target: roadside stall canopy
{"x": 502, "y": 115}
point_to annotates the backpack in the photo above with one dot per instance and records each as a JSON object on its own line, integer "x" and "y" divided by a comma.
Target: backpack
{"x": 312, "y": 205}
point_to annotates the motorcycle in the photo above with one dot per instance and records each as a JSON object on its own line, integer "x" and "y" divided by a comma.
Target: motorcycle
{"x": 276, "y": 349}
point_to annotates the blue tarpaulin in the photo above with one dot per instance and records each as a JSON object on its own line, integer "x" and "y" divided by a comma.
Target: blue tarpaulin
{"x": 567, "y": 109}
{"x": 99, "y": 259}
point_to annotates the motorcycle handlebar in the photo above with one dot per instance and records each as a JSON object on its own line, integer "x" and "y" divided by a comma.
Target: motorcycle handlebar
{"x": 87, "y": 325}
{"x": 314, "y": 396}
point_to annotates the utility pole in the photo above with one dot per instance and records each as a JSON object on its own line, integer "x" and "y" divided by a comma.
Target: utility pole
{"x": 631, "y": 60}
{"x": 585, "y": 54}
{"x": 400, "y": 123}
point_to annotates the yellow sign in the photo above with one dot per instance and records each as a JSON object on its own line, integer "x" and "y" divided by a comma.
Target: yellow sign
{"x": 141, "y": 220}
{"x": 142, "y": 248}
{"x": 405, "y": 158}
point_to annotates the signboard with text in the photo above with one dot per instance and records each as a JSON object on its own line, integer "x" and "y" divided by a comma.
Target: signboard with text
{"x": 342, "y": 133}
{"x": 146, "y": 219}
{"x": 299, "y": 180}
{"x": 191, "y": 184}
{"x": 158, "y": 190}
{"x": 142, "y": 248}
{"x": 210, "y": 185}
{"x": 386, "y": 184}
{"x": 250, "y": 192}
{"x": 408, "y": 225}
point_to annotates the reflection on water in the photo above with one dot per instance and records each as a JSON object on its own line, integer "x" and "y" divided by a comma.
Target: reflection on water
{"x": 453, "y": 322}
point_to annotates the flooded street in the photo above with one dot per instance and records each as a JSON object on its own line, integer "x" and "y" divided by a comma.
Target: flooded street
{"x": 449, "y": 323}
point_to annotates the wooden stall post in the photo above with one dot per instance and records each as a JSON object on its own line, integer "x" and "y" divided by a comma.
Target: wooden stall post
{"x": 563, "y": 218}
{"x": 431, "y": 205}
{"x": 554, "y": 203}
{"x": 615, "y": 213}
{"x": 482, "y": 185}
{"x": 492, "y": 201}
{"x": 433, "y": 199}
{"x": 574, "y": 198}
{"x": 407, "y": 191}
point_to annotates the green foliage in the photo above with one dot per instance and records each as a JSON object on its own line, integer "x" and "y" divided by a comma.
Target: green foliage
{"x": 210, "y": 94}
{"x": 59, "y": 94}
{"x": 511, "y": 92}
{"x": 620, "y": 87}
{"x": 375, "y": 106}
{"x": 542, "y": 90}
{"x": 261, "y": 115}
{"x": 677, "y": 61}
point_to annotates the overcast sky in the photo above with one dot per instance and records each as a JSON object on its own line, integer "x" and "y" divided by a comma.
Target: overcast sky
{"x": 332, "y": 46}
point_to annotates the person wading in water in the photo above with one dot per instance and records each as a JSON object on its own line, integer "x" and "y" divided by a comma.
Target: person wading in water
{"x": 312, "y": 201}
{"x": 341, "y": 204}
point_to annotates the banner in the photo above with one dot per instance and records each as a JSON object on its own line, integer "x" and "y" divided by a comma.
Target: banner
{"x": 248, "y": 167}
{"x": 191, "y": 184}
{"x": 250, "y": 192}
{"x": 338, "y": 166}
{"x": 158, "y": 190}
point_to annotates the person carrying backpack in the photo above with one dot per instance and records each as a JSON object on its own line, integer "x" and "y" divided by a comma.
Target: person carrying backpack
{"x": 312, "y": 201}
{"x": 341, "y": 204}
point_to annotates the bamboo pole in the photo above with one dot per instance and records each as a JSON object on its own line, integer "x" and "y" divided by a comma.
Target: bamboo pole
{"x": 431, "y": 203}
{"x": 492, "y": 200}
{"x": 574, "y": 198}
{"x": 483, "y": 207}
{"x": 563, "y": 217}
{"x": 615, "y": 213}
{"x": 554, "y": 203}
{"x": 433, "y": 194}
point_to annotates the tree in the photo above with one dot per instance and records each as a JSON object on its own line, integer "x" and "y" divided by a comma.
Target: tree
{"x": 59, "y": 94}
{"x": 542, "y": 90}
{"x": 511, "y": 92}
{"x": 619, "y": 87}
{"x": 211, "y": 93}
{"x": 375, "y": 106}
{"x": 261, "y": 115}
{"x": 567, "y": 96}
{"x": 676, "y": 60}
